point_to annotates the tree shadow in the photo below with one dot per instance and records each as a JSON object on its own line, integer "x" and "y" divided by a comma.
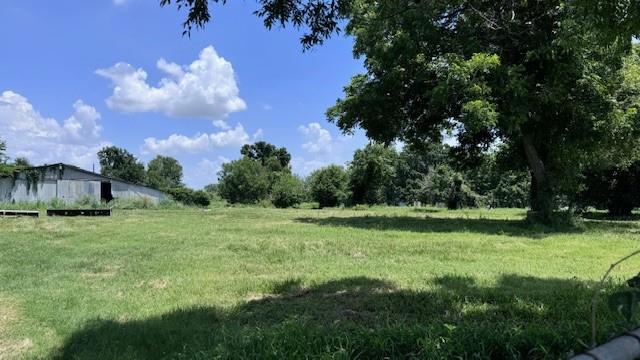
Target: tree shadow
{"x": 360, "y": 317}
{"x": 593, "y": 215}
{"x": 428, "y": 224}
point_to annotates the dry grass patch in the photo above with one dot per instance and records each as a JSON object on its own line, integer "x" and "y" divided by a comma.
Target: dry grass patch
{"x": 10, "y": 349}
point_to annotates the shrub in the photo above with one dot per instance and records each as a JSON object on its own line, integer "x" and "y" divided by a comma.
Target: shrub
{"x": 287, "y": 191}
{"x": 88, "y": 202}
{"x": 328, "y": 186}
{"x": 244, "y": 181}
{"x": 189, "y": 196}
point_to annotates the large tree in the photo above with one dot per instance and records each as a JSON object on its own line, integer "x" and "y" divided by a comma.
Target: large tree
{"x": 120, "y": 163}
{"x": 164, "y": 172}
{"x": 537, "y": 76}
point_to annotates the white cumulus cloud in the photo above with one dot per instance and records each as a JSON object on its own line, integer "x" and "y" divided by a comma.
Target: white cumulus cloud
{"x": 205, "y": 88}
{"x": 75, "y": 140}
{"x": 176, "y": 144}
{"x": 319, "y": 140}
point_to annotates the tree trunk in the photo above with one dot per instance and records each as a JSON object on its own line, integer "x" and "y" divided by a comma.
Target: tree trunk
{"x": 541, "y": 194}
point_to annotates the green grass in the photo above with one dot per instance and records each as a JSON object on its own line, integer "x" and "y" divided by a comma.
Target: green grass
{"x": 268, "y": 283}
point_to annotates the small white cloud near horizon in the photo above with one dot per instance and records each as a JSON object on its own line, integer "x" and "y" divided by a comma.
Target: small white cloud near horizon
{"x": 176, "y": 143}
{"x": 206, "y": 88}
{"x": 319, "y": 140}
{"x": 75, "y": 140}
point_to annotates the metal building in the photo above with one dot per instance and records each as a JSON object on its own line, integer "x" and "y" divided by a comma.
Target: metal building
{"x": 69, "y": 183}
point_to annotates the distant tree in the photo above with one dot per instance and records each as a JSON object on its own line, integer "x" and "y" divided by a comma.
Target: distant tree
{"x": 329, "y": 186}
{"x": 5, "y": 169}
{"x": 274, "y": 158}
{"x": 287, "y": 191}
{"x": 413, "y": 164}
{"x": 21, "y": 162}
{"x": 244, "y": 181}
{"x": 164, "y": 172}
{"x": 497, "y": 184}
{"x": 3, "y": 152}
{"x": 435, "y": 186}
{"x": 119, "y": 163}
{"x": 371, "y": 175}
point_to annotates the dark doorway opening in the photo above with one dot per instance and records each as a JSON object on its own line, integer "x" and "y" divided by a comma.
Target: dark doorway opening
{"x": 105, "y": 191}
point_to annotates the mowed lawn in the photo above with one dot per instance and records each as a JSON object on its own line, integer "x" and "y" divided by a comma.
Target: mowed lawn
{"x": 268, "y": 283}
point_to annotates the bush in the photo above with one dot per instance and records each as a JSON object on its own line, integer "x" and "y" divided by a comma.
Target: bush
{"x": 244, "y": 181}
{"x": 189, "y": 196}
{"x": 328, "y": 186}
{"x": 287, "y": 191}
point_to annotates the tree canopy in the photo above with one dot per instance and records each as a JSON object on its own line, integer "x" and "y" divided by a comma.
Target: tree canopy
{"x": 120, "y": 163}
{"x": 164, "y": 172}
{"x": 268, "y": 155}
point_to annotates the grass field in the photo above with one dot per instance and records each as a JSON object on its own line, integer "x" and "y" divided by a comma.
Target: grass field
{"x": 267, "y": 283}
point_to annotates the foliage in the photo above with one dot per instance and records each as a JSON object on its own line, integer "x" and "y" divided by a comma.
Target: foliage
{"x": 244, "y": 181}
{"x": 3, "y": 152}
{"x": 371, "y": 175}
{"x": 212, "y": 189}
{"x": 121, "y": 164}
{"x": 412, "y": 165}
{"x": 287, "y": 191}
{"x": 612, "y": 183}
{"x": 328, "y": 186}
{"x": 500, "y": 186}
{"x": 320, "y": 17}
{"x": 144, "y": 202}
{"x": 21, "y": 163}
{"x": 189, "y": 197}
{"x": 253, "y": 178}
{"x": 273, "y": 158}
{"x": 164, "y": 172}
{"x": 530, "y": 75}
{"x": 540, "y": 77}
{"x": 616, "y": 189}
{"x": 443, "y": 185}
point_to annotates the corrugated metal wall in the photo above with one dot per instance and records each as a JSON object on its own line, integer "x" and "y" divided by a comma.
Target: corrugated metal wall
{"x": 70, "y": 186}
{"x": 71, "y": 191}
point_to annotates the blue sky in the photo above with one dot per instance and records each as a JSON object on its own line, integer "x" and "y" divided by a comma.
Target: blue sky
{"x": 77, "y": 75}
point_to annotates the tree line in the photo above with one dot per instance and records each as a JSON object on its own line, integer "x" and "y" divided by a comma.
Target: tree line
{"x": 377, "y": 174}
{"x": 554, "y": 82}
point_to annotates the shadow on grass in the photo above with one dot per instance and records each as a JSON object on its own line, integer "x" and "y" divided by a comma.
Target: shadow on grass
{"x": 518, "y": 317}
{"x": 605, "y": 216}
{"x": 476, "y": 225}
